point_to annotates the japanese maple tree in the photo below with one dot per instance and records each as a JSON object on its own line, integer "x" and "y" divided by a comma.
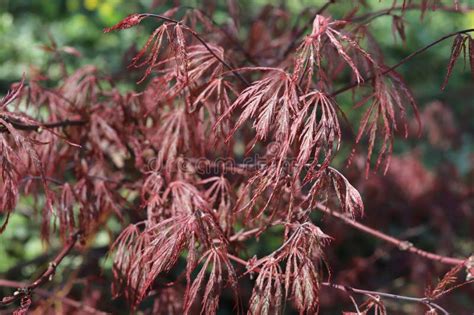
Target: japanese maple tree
{"x": 224, "y": 138}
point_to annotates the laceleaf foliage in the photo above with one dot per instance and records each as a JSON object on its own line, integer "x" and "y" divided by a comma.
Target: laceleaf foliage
{"x": 157, "y": 151}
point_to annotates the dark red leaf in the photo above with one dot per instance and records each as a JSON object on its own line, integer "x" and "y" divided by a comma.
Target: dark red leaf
{"x": 471, "y": 55}
{"x": 398, "y": 26}
{"x": 128, "y": 22}
{"x": 12, "y": 93}
{"x": 455, "y": 52}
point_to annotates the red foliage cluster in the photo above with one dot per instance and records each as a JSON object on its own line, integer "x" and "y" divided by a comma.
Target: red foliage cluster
{"x": 146, "y": 151}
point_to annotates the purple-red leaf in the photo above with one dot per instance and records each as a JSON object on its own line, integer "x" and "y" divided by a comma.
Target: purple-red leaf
{"x": 471, "y": 55}
{"x": 349, "y": 198}
{"x": 12, "y": 94}
{"x": 128, "y": 22}
{"x": 458, "y": 45}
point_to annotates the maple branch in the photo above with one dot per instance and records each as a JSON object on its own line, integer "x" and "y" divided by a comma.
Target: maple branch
{"x": 423, "y": 300}
{"x": 370, "y": 15}
{"x": 402, "y": 245}
{"x": 404, "y": 60}
{"x": 202, "y": 41}
{"x": 45, "y": 276}
{"x": 56, "y": 124}
{"x": 45, "y": 293}
{"x": 348, "y": 289}
{"x": 241, "y": 261}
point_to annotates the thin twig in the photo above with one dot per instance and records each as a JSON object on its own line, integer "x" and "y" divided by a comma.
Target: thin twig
{"x": 401, "y": 62}
{"x": 45, "y": 293}
{"x": 50, "y": 125}
{"x": 422, "y": 300}
{"x": 402, "y": 245}
{"x": 46, "y": 276}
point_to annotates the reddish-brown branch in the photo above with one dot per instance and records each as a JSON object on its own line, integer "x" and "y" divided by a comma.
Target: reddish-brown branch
{"x": 423, "y": 300}
{"x": 370, "y": 15}
{"x": 45, "y": 293}
{"x": 241, "y": 261}
{"x": 402, "y": 245}
{"x": 56, "y": 124}
{"x": 46, "y": 276}
{"x": 401, "y": 62}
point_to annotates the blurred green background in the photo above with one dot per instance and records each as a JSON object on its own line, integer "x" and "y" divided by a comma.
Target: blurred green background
{"x": 28, "y": 27}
